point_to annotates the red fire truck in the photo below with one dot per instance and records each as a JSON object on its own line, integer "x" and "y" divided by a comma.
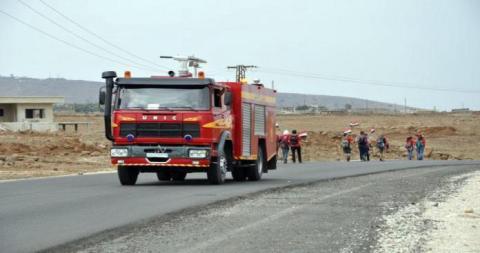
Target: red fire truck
{"x": 172, "y": 126}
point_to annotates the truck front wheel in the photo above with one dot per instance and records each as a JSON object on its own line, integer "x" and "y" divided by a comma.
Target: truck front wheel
{"x": 218, "y": 169}
{"x": 127, "y": 175}
{"x": 255, "y": 172}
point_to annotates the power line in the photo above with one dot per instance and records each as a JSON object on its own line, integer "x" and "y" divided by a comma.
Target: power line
{"x": 100, "y": 37}
{"x": 360, "y": 81}
{"x": 64, "y": 41}
{"x": 145, "y": 67}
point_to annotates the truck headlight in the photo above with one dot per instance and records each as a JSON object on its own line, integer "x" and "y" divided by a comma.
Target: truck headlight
{"x": 118, "y": 152}
{"x": 197, "y": 153}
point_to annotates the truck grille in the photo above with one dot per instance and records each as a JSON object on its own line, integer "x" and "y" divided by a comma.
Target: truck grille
{"x": 159, "y": 129}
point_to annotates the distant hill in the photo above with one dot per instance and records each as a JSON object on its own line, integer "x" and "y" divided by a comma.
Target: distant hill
{"x": 74, "y": 91}
{"x": 79, "y": 91}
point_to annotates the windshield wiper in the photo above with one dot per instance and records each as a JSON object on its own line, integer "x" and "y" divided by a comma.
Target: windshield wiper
{"x": 188, "y": 107}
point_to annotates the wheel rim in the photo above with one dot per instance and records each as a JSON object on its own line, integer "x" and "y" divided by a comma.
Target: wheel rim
{"x": 222, "y": 164}
{"x": 260, "y": 163}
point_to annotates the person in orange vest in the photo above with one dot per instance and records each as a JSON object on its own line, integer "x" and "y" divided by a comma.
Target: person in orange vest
{"x": 296, "y": 146}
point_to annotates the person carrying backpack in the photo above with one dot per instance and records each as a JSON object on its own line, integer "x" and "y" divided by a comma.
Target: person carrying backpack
{"x": 420, "y": 145}
{"x": 285, "y": 145}
{"x": 382, "y": 145}
{"x": 346, "y": 145}
{"x": 363, "y": 146}
{"x": 410, "y": 146}
{"x": 295, "y": 146}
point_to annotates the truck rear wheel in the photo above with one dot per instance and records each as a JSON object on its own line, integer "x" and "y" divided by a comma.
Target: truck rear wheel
{"x": 218, "y": 169}
{"x": 127, "y": 175}
{"x": 164, "y": 175}
{"x": 178, "y": 175}
{"x": 255, "y": 172}
{"x": 239, "y": 174}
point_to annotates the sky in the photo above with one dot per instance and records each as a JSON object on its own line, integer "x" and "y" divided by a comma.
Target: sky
{"x": 424, "y": 52}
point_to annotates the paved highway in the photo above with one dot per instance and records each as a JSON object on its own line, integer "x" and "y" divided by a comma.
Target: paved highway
{"x": 43, "y": 213}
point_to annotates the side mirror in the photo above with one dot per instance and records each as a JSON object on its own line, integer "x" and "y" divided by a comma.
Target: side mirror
{"x": 101, "y": 96}
{"x": 228, "y": 98}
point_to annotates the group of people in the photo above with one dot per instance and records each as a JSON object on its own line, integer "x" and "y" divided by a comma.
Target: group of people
{"x": 365, "y": 143}
{"x": 290, "y": 141}
{"x": 418, "y": 144}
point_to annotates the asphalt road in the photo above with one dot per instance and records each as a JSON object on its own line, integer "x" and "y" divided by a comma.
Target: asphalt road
{"x": 40, "y": 214}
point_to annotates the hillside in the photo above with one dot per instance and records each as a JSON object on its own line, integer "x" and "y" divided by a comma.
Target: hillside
{"x": 78, "y": 91}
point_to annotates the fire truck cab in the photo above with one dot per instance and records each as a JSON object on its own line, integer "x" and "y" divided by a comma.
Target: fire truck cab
{"x": 172, "y": 126}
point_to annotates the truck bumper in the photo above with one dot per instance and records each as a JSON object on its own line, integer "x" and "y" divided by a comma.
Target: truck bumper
{"x": 161, "y": 156}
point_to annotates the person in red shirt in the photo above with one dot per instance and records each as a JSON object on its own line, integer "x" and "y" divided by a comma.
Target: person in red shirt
{"x": 410, "y": 146}
{"x": 296, "y": 146}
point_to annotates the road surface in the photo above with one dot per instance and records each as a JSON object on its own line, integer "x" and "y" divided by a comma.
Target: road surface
{"x": 44, "y": 213}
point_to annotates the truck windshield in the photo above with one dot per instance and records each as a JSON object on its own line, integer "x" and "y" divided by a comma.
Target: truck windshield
{"x": 161, "y": 98}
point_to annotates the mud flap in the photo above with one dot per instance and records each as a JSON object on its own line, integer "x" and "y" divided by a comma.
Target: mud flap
{"x": 271, "y": 164}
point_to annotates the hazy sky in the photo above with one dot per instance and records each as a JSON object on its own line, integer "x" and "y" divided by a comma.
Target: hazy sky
{"x": 414, "y": 43}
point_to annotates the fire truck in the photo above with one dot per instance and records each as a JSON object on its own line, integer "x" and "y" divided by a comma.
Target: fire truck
{"x": 174, "y": 125}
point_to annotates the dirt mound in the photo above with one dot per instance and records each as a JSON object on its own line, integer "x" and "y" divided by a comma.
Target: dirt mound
{"x": 13, "y": 148}
{"x": 438, "y": 131}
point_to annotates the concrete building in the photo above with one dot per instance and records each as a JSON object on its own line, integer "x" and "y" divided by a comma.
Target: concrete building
{"x": 28, "y": 113}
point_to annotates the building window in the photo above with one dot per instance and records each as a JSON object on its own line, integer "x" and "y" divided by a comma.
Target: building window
{"x": 34, "y": 113}
{"x": 1, "y": 112}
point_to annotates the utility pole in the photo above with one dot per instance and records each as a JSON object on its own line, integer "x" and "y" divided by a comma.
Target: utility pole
{"x": 405, "y": 105}
{"x": 240, "y": 70}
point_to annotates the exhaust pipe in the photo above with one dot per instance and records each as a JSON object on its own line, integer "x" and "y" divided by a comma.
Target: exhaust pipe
{"x": 108, "y": 76}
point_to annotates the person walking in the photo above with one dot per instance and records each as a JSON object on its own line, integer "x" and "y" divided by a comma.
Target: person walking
{"x": 382, "y": 145}
{"x": 410, "y": 146}
{"x": 347, "y": 145}
{"x": 363, "y": 146}
{"x": 285, "y": 145}
{"x": 295, "y": 146}
{"x": 420, "y": 145}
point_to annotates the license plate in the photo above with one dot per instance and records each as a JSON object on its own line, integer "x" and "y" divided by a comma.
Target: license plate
{"x": 157, "y": 155}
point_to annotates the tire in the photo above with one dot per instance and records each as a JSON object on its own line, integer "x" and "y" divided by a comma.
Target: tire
{"x": 179, "y": 176}
{"x": 127, "y": 175}
{"x": 218, "y": 169}
{"x": 255, "y": 172}
{"x": 239, "y": 174}
{"x": 164, "y": 175}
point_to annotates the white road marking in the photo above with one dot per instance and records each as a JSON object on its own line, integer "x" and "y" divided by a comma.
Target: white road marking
{"x": 59, "y": 176}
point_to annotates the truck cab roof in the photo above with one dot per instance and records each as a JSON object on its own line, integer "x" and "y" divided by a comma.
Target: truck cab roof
{"x": 165, "y": 82}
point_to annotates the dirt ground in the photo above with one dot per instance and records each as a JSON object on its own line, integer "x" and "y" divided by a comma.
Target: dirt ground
{"x": 30, "y": 154}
